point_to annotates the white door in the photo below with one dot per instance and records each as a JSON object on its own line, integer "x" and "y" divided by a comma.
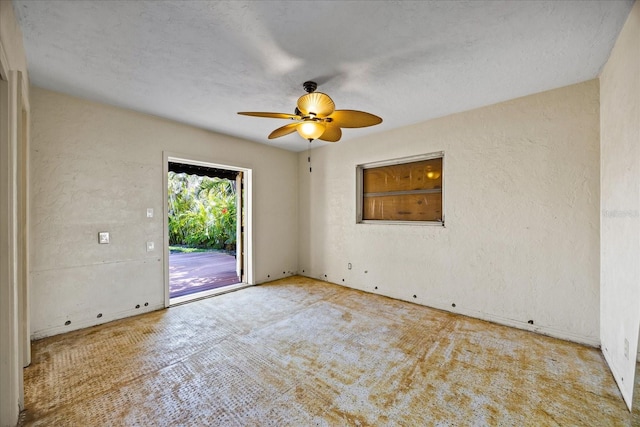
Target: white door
{"x": 239, "y": 226}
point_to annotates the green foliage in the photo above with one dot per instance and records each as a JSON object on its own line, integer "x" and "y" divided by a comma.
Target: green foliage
{"x": 187, "y": 249}
{"x": 202, "y": 211}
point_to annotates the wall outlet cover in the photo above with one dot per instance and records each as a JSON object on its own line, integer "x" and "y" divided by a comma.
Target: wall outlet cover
{"x": 626, "y": 348}
{"x": 103, "y": 237}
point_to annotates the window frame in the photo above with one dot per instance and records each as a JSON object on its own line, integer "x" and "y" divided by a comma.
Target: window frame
{"x": 393, "y": 162}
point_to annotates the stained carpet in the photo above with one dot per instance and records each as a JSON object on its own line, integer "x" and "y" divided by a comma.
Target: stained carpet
{"x": 300, "y": 352}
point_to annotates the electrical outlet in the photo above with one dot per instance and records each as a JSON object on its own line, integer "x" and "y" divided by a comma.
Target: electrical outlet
{"x": 149, "y": 212}
{"x": 626, "y": 349}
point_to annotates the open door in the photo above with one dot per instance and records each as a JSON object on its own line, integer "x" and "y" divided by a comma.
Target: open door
{"x": 240, "y": 227}
{"x": 208, "y": 228}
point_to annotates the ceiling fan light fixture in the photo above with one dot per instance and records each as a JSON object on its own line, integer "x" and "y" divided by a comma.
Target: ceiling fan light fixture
{"x": 316, "y": 117}
{"x": 433, "y": 174}
{"x": 311, "y": 129}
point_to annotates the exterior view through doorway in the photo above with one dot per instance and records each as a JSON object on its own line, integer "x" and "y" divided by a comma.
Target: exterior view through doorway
{"x": 205, "y": 236}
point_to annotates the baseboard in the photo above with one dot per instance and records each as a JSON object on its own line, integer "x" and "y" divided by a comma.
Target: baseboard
{"x": 86, "y": 323}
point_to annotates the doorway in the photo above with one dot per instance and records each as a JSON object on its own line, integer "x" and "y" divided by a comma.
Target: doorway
{"x": 207, "y": 230}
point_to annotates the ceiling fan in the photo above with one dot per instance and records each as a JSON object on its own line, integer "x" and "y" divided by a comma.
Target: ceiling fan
{"x": 317, "y": 118}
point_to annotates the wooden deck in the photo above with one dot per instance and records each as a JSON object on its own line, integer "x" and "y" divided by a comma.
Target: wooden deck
{"x": 201, "y": 271}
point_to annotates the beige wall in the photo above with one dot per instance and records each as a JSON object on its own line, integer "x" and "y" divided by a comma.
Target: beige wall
{"x": 521, "y": 204}
{"x": 620, "y": 204}
{"x": 98, "y": 168}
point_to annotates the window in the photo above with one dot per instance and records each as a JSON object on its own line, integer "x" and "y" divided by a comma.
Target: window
{"x": 405, "y": 190}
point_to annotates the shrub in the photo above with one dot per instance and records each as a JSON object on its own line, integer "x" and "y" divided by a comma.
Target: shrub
{"x": 202, "y": 211}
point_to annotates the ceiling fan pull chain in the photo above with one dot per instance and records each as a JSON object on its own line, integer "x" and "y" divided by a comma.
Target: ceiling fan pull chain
{"x": 309, "y": 155}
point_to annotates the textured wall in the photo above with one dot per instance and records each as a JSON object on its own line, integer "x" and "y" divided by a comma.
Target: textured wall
{"x": 620, "y": 203}
{"x": 521, "y": 204}
{"x": 97, "y": 168}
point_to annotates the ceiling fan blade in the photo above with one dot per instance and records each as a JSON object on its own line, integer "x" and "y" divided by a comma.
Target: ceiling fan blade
{"x": 284, "y": 130}
{"x": 271, "y": 115}
{"x": 353, "y": 119}
{"x": 332, "y": 133}
{"x": 317, "y": 103}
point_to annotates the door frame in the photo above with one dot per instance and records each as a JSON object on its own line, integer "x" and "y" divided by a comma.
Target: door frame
{"x": 15, "y": 348}
{"x": 247, "y": 241}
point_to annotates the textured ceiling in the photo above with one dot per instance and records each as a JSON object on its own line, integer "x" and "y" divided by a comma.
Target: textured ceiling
{"x": 200, "y": 62}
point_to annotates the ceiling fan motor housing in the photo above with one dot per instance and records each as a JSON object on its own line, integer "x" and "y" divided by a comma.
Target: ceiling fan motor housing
{"x": 310, "y": 86}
